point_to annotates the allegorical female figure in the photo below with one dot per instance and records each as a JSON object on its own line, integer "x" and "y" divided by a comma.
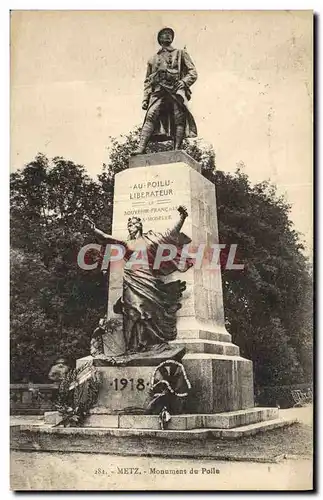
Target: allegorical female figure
{"x": 149, "y": 305}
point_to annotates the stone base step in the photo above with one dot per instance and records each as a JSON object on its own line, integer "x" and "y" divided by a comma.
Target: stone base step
{"x": 234, "y": 419}
{"x": 228, "y": 420}
{"x": 203, "y": 335}
{"x": 141, "y": 442}
{"x": 250, "y": 429}
{"x": 163, "y": 158}
{"x": 207, "y": 346}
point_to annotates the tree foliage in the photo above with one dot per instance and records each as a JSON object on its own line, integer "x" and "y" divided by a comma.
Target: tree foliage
{"x": 55, "y": 305}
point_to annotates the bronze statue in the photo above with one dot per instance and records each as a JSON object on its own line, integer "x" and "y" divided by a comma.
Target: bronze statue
{"x": 170, "y": 74}
{"x": 148, "y": 305}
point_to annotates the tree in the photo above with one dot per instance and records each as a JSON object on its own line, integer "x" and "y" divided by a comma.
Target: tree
{"x": 55, "y": 305}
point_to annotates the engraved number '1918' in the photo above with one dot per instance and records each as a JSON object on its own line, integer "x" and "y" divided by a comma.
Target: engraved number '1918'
{"x": 122, "y": 383}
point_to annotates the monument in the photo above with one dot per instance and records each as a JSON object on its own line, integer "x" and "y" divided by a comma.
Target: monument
{"x": 162, "y": 356}
{"x": 167, "y": 320}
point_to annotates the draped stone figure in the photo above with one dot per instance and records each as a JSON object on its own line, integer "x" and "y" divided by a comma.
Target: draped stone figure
{"x": 148, "y": 304}
{"x": 170, "y": 74}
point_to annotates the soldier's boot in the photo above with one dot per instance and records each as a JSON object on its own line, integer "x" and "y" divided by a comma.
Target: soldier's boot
{"x": 146, "y": 133}
{"x": 179, "y": 136}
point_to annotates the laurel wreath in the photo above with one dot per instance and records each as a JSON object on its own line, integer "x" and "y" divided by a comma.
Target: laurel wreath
{"x": 75, "y": 399}
{"x": 166, "y": 382}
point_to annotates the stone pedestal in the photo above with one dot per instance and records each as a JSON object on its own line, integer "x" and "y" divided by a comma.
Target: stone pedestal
{"x": 125, "y": 386}
{"x": 152, "y": 189}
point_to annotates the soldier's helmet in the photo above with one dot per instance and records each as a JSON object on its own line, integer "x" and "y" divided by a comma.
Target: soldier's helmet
{"x": 164, "y": 30}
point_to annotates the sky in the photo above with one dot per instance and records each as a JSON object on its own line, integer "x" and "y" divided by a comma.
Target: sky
{"x": 77, "y": 79}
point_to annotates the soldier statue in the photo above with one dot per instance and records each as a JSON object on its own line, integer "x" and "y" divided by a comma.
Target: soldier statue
{"x": 170, "y": 74}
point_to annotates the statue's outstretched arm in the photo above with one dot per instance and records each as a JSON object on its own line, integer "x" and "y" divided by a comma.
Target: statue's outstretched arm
{"x": 182, "y": 216}
{"x": 108, "y": 238}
